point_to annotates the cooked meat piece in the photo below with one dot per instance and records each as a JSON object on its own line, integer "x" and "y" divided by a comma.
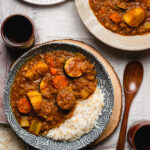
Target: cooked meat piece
{"x": 48, "y": 110}
{"x": 65, "y": 99}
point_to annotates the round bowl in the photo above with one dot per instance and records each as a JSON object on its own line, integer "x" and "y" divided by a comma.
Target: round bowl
{"x": 130, "y": 43}
{"x": 104, "y": 83}
{"x": 44, "y": 2}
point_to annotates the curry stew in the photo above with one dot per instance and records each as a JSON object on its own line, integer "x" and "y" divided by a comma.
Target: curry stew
{"x": 126, "y": 17}
{"x": 47, "y": 87}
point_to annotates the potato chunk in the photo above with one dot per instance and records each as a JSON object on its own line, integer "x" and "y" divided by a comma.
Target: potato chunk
{"x": 41, "y": 67}
{"x": 35, "y": 127}
{"x": 135, "y": 16}
{"x": 35, "y": 99}
{"x": 24, "y": 122}
{"x": 147, "y": 25}
{"x": 84, "y": 94}
{"x": 36, "y": 70}
{"x": 31, "y": 74}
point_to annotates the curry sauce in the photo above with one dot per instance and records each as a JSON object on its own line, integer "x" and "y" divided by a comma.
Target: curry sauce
{"x": 43, "y": 95}
{"x": 125, "y": 17}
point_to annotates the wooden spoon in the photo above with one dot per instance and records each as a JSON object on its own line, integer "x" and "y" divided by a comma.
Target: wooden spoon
{"x": 133, "y": 76}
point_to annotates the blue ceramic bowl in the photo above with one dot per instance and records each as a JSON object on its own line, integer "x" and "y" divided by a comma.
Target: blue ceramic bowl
{"x": 104, "y": 83}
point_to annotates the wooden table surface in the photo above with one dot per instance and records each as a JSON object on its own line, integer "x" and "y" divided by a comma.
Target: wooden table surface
{"x": 63, "y": 22}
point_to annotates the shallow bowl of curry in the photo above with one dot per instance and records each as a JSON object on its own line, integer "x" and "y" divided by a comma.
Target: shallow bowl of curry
{"x": 122, "y": 24}
{"x": 103, "y": 82}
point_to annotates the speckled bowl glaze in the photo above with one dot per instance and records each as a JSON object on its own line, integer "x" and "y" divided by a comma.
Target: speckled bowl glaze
{"x": 104, "y": 83}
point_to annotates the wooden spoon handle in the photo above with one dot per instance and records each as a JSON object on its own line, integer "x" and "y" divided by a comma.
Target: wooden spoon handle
{"x": 122, "y": 136}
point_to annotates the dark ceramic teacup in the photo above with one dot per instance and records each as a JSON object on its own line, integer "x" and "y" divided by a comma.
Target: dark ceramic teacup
{"x": 18, "y": 31}
{"x": 139, "y": 135}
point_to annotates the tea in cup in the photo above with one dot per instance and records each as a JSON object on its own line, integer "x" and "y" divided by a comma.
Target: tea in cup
{"x": 18, "y": 31}
{"x": 139, "y": 135}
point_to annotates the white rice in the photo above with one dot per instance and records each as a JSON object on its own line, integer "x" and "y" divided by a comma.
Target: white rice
{"x": 83, "y": 120}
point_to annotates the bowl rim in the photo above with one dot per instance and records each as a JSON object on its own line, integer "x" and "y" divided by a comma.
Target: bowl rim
{"x": 44, "y": 2}
{"x": 33, "y": 51}
{"x": 120, "y": 42}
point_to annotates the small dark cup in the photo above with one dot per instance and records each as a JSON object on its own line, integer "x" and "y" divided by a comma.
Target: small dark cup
{"x": 18, "y": 31}
{"x": 139, "y": 135}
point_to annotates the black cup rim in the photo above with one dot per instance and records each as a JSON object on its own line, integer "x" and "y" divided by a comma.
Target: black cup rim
{"x": 16, "y": 44}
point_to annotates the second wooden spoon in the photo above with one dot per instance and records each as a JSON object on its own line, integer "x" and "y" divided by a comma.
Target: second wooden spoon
{"x": 133, "y": 76}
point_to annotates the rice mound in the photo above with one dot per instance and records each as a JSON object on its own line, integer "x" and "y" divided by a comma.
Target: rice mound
{"x": 84, "y": 118}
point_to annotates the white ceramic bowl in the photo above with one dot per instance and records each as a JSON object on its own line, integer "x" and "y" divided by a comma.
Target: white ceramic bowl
{"x": 131, "y": 43}
{"x": 44, "y": 2}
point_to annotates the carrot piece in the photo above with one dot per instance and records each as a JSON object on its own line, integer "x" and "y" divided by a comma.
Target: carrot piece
{"x": 24, "y": 106}
{"x": 53, "y": 71}
{"x": 60, "y": 82}
{"x": 50, "y": 61}
{"x": 115, "y": 17}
